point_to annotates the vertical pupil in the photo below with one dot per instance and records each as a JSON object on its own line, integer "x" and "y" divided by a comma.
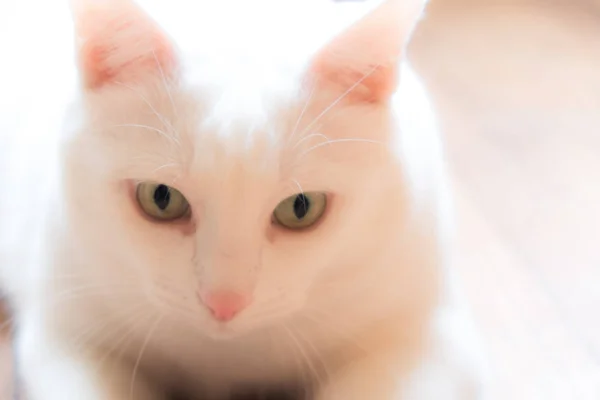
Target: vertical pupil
{"x": 301, "y": 206}
{"x": 162, "y": 196}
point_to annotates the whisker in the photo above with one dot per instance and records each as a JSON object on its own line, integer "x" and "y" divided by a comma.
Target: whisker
{"x": 301, "y": 191}
{"x": 70, "y": 275}
{"x": 270, "y": 304}
{"x": 319, "y": 145}
{"x": 299, "y": 365}
{"x": 152, "y": 159}
{"x": 175, "y": 306}
{"x": 142, "y": 126}
{"x": 93, "y": 330}
{"x": 311, "y": 136}
{"x": 82, "y": 288}
{"x": 342, "y": 333}
{"x": 263, "y": 318}
{"x": 340, "y": 98}
{"x": 139, "y": 358}
{"x": 129, "y": 329}
{"x": 160, "y": 117}
{"x": 165, "y": 83}
{"x": 165, "y": 166}
{"x": 303, "y": 354}
{"x": 299, "y": 120}
{"x": 73, "y": 294}
{"x": 146, "y": 156}
{"x": 82, "y": 294}
{"x": 317, "y": 355}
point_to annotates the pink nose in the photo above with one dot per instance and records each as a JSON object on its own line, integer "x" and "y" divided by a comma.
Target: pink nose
{"x": 224, "y": 304}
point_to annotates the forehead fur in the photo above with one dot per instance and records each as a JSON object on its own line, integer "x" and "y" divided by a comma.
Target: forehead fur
{"x": 240, "y": 99}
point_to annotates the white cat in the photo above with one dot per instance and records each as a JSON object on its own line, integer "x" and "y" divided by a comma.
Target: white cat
{"x": 210, "y": 196}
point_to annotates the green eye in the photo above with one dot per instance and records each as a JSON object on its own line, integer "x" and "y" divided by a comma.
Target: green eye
{"x": 161, "y": 202}
{"x": 300, "y": 210}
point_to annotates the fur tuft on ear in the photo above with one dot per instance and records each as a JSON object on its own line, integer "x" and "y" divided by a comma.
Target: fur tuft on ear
{"x": 118, "y": 42}
{"x": 363, "y": 61}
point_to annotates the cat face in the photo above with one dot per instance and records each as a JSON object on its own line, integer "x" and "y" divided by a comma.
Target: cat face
{"x": 229, "y": 192}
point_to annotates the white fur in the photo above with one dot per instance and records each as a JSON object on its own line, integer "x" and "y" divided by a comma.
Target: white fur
{"x": 105, "y": 300}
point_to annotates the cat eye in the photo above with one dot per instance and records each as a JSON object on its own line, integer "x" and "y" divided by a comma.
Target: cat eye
{"x": 300, "y": 210}
{"x": 161, "y": 202}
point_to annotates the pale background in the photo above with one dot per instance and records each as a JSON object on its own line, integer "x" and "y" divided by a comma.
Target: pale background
{"x": 517, "y": 85}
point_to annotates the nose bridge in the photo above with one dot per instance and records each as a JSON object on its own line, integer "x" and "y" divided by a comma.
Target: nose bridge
{"x": 237, "y": 232}
{"x": 231, "y": 232}
{"x": 229, "y": 251}
{"x": 237, "y": 218}
{"x": 236, "y": 235}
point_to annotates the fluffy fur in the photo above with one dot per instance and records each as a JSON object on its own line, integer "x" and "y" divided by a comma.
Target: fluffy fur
{"x": 237, "y": 105}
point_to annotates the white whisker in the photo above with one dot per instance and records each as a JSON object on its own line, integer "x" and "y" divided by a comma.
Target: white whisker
{"x": 340, "y": 98}
{"x": 301, "y": 191}
{"x": 161, "y": 132}
{"x": 303, "y": 353}
{"x": 71, "y": 294}
{"x": 165, "y": 82}
{"x": 83, "y": 288}
{"x": 317, "y": 355}
{"x": 299, "y": 120}
{"x": 92, "y": 331}
{"x": 158, "y": 115}
{"x": 173, "y": 306}
{"x": 342, "y": 333}
{"x": 293, "y": 345}
{"x": 139, "y": 358}
{"x": 165, "y": 166}
{"x": 356, "y": 140}
{"x": 129, "y": 329}
{"x": 311, "y": 136}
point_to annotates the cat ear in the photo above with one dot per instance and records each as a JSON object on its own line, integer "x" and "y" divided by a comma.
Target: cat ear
{"x": 118, "y": 42}
{"x": 363, "y": 61}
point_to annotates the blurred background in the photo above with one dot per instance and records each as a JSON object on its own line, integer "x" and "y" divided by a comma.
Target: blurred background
{"x": 517, "y": 87}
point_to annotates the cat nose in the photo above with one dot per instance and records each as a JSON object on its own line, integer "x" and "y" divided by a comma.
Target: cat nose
{"x": 224, "y": 304}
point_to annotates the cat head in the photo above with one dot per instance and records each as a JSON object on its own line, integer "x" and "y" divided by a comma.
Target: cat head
{"x": 236, "y": 172}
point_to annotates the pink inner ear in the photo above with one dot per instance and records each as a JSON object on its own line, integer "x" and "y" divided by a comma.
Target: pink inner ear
{"x": 121, "y": 44}
{"x": 99, "y": 70}
{"x": 362, "y": 62}
{"x": 368, "y": 85}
